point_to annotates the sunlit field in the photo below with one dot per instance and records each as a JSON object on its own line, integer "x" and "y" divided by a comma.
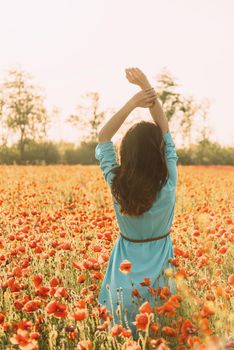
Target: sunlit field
{"x": 57, "y": 229}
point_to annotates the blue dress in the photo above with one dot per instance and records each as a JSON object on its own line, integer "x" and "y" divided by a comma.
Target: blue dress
{"x": 149, "y": 259}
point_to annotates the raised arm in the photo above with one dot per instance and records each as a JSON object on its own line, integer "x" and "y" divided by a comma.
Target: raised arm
{"x": 136, "y": 76}
{"x": 144, "y": 98}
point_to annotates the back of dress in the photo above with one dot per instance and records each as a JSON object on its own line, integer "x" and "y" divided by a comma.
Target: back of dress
{"x": 158, "y": 220}
{"x": 148, "y": 259}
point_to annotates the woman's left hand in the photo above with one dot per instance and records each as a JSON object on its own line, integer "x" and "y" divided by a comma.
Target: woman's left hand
{"x": 137, "y": 77}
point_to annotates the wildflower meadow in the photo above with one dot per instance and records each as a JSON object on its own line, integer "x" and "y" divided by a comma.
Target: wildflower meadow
{"x": 57, "y": 230}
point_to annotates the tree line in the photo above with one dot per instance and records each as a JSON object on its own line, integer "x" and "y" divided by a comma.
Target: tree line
{"x": 23, "y": 115}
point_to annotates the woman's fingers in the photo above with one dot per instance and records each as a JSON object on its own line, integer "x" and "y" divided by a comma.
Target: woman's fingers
{"x": 129, "y": 70}
{"x": 151, "y": 104}
{"x": 131, "y": 74}
{"x": 135, "y": 70}
{"x": 151, "y": 91}
{"x": 150, "y": 100}
{"x": 134, "y": 74}
{"x": 151, "y": 94}
{"x": 128, "y": 73}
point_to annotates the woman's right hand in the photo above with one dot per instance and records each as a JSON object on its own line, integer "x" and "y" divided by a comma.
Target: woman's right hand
{"x": 144, "y": 98}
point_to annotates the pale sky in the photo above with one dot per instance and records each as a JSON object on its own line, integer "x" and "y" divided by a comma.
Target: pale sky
{"x": 75, "y": 46}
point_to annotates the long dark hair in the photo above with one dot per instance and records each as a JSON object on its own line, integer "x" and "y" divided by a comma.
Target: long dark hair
{"x": 142, "y": 171}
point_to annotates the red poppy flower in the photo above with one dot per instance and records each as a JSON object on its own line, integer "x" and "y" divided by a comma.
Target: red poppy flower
{"x": 55, "y": 281}
{"x": 133, "y": 346}
{"x": 206, "y": 311}
{"x": 154, "y": 327}
{"x": 32, "y": 305}
{"x": 136, "y": 293}
{"x": 164, "y": 292}
{"x": 125, "y": 266}
{"x": 187, "y": 328}
{"x": 23, "y": 340}
{"x": 84, "y": 345}
{"x": 231, "y": 280}
{"x": 126, "y": 332}
{"x": 97, "y": 275}
{"x": 57, "y": 309}
{"x": 17, "y": 272}
{"x": 169, "y": 307}
{"x": 61, "y": 292}
{"x": 159, "y": 344}
{"x": 37, "y": 279}
{"x": 146, "y": 282}
{"x": 170, "y": 332}
{"x": 80, "y": 314}
{"x": 81, "y": 279}
{"x": 116, "y": 330}
{"x": 104, "y": 325}
{"x": 141, "y": 321}
{"x": 80, "y": 303}
{"x": 1, "y": 317}
{"x": 146, "y": 308}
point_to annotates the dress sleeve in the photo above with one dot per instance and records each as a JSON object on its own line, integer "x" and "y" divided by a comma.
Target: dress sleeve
{"x": 171, "y": 158}
{"x": 105, "y": 153}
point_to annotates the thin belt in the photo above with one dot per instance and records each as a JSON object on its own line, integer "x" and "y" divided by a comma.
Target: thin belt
{"x": 144, "y": 240}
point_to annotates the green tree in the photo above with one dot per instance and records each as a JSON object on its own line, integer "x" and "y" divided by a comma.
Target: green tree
{"x": 22, "y": 109}
{"x": 89, "y": 116}
{"x": 180, "y": 109}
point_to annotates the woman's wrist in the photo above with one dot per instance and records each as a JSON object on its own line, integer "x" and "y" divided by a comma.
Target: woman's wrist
{"x": 146, "y": 85}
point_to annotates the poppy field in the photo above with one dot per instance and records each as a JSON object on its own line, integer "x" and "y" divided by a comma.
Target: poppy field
{"x": 57, "y": 229}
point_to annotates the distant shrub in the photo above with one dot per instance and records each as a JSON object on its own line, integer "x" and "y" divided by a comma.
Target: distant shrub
{"x": 35, "y": 153}
{"x": 9, "y": 155}
{"x": 84, "y": 154}
{"x": 206, "y": 153}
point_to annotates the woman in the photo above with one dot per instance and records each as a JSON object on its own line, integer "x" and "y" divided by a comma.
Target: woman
{"x": 143, "y": 187}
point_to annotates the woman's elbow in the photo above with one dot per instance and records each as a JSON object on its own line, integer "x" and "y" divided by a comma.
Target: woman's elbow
{"x": 102, "y": 137}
